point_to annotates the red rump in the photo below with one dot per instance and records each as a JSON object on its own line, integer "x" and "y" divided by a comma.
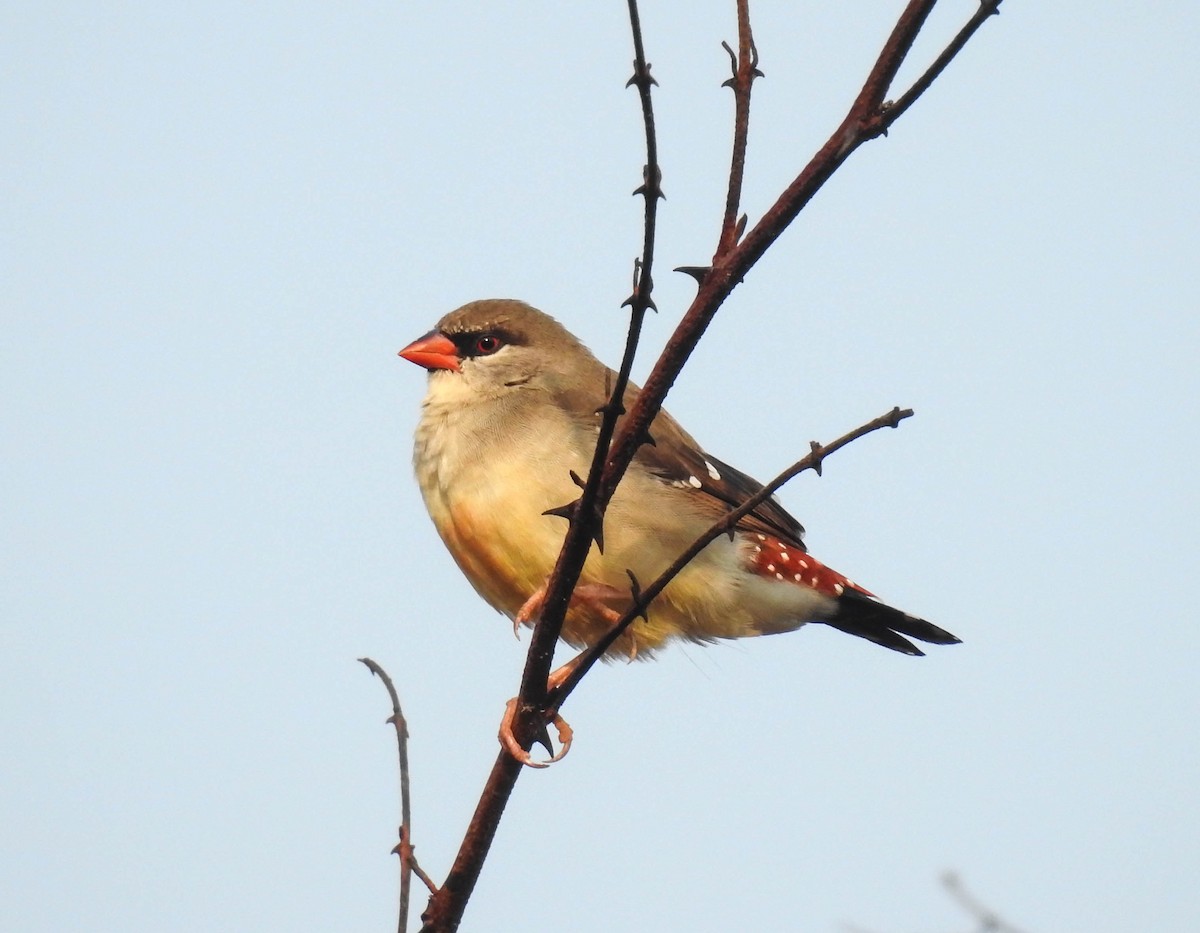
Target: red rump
{"x": 777, "y": 560}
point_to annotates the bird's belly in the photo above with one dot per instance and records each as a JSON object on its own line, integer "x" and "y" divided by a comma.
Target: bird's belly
{"x": 507, "y": 556}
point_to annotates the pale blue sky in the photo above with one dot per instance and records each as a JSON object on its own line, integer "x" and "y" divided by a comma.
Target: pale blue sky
{"x": 219, "y": 222}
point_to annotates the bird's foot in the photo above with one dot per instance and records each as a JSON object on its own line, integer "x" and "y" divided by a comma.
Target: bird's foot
{"x": 592, "y": 596}
{"x": 565, "y": 734}
{"x": 513, "y": 747}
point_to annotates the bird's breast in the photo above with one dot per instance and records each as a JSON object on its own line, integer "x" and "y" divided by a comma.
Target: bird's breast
{"x": 486, "y": 490}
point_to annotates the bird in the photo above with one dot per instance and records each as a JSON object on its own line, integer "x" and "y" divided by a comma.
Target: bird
{"x": 509, "y": 423}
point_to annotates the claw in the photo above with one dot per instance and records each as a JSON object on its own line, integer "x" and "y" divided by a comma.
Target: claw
{"x": 513, "y": 747}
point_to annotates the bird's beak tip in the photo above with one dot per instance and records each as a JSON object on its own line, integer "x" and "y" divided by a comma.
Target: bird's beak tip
{"x": 433, "y": 351}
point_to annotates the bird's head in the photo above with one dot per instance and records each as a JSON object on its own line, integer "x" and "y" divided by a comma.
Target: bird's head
{"x": 496, "y": 346}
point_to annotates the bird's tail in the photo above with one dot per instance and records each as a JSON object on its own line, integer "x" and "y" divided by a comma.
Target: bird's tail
{"x": 864, "y": 616}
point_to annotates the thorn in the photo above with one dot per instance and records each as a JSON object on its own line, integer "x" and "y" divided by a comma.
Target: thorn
{"x": 651, "y": 185}
{"x": 542, "y": 738}
{"x": 699, "y": 273}
{"x": 648, "y": 438}
{"x": 641, "y": 77}
{"x": 575, "y": 479}
{"x": 569, "y": 511}
{"x": 636, "y": 589}
{"x": 741, "y": 226}
{"x": 563, "y": 511}
{"x": 815, "y": 451}
{"x": 633, "y": 300}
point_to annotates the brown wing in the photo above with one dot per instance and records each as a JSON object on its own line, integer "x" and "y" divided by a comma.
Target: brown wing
{"x": 676, "y": 458}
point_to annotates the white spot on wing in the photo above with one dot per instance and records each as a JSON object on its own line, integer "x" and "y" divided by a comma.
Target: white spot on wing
{"x": 712, "y": 471}
{"x": 695, "y": 482}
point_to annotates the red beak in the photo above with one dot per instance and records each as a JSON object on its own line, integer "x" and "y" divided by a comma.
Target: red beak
{"x": 433, "y": 351}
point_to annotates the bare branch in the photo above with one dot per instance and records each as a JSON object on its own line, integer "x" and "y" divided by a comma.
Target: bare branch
{"x": 643, "y": 597}
{"x": 446, "y": 907}
{"x": 404, "y": 849}
{"x": 866, "y": 119}
{"x": 989, "y": 920}
{"x": 745, "y": 70}
{"x": 896, "y": 110}
{"x": 587, "y": 517}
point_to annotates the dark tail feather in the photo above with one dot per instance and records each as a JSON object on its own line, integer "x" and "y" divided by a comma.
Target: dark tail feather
{"x": 859, "y": 614}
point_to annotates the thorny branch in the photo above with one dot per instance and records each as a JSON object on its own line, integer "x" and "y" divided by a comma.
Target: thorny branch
{"x": 745, "y": 70}
{"x": 643, "y": 597}
{"x": 404, "y": 848}
{"x": 869, "y": 116}
{"x": 447, "y": 904}
{"x": 588, "y": 513}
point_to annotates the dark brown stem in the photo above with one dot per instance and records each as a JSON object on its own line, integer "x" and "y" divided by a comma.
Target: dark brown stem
{"x": 745, "y": 70}
{"x": 446, "y": 907}
{"x": 866, "y": 119}
{"x": 892, "y": 113}
{"x": 588, "y": 514}
{"x": 645, "y": 596}
{"x": 404, "y": 849}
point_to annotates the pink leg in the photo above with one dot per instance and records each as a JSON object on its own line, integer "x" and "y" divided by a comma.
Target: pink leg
{"x": 591, "y": 595}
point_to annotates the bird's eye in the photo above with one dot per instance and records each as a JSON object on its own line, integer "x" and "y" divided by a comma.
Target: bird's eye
{"x": 487, "y": 344}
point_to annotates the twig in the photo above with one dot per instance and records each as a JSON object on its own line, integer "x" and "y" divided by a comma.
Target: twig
{"x": 645, "y": 596}
{"x": 989, "y": 920}
{"x": 866, "y": 119}
{"x": 404, "y": 849}
{"x": 892, "y": 113}
{"x": 745, "y": 70}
